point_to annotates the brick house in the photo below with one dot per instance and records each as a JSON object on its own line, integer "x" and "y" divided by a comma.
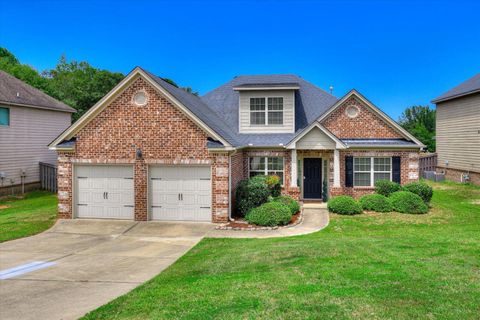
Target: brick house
{"x": 151, "y": 151}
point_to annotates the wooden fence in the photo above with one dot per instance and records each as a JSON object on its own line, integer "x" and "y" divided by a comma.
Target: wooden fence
{"x": 427, "y": 163}
{"x": 48, "y": 176}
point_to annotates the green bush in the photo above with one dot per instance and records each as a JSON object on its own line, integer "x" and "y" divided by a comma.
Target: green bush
{"x": 273, "y": 183}
{"x": 344, "y": 205}
{"x": 250, "y": 194}
{"x": 289, "y": 202}
{"x": 386, "y": 187}
{"x": 270, "y": 214}
{"x": 421, "y": 189}
{"x": 376, "y": 202}
{"x": 407, "y": 202}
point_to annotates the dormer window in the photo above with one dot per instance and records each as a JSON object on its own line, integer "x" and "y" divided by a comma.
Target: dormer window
{"x": 270, "y": 113}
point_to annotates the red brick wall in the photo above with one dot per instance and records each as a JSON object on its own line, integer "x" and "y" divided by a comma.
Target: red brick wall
{"x": 163, "y": 133}
{"x": 408, "y": 167}
{"x": 366, "y": 125}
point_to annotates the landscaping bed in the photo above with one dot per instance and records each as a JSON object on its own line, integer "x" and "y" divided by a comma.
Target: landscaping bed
{"x": 242, "y": 224}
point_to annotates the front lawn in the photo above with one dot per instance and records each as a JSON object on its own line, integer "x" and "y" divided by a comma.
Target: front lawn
{"x": 370, "y": 266}
{"x": 22, "y": 217}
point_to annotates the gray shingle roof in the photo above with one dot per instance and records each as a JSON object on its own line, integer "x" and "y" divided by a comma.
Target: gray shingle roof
{"x": 14, "y": 91}
{"x": 378, "y": 142}
{"x": 472, "y": 85}
{"x": 310, "y": 103}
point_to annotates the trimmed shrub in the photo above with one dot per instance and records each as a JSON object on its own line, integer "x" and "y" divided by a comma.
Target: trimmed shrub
{"x": 407, "y": 202}
{"x": 273, "y": 183}
{"x": 376, "y": 202}
{"x": 386, "y": 187}
{"x": 270, "y": 214}
{"x": 289, "y": 202}
{"x": 250, "y": 194}
{"x": 344, "y": 205}
{"x": 422, "y": 189}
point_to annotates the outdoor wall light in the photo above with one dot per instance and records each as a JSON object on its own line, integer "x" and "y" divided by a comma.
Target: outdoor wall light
{"x": 139, "y": 154}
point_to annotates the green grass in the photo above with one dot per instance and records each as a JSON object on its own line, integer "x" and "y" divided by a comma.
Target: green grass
{"x": 33, "y": 214}
{"x": 371, "y": 266}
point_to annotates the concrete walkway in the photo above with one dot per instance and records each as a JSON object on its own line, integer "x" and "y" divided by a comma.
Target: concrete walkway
{"x": 79, "y": 265}
{"x": 315, "y": 218}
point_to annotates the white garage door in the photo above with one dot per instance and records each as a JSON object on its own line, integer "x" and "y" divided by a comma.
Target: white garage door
{"x": 104, "y": 191}
{"x": 181, "y": 193}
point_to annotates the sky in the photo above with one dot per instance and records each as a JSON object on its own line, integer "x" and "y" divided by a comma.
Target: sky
{"x": 396, "y": 53}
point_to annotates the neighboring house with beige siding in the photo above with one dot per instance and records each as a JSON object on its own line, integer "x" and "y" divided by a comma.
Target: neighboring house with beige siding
{"x": 29, "y": 121}
{"x": 458, "y": 131}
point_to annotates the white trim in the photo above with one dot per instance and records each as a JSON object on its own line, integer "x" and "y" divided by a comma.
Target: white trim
{"x": 336, "y": 168}
{"x": 266, "y": 111}
{"x": 293, "y": 168}
{"x": 105, "y": 101}
{"x": 265, "y": 88}
{"x": 375, "y": 109}
{"x": 372, "y": 170}
{"x": 338, "y": 143}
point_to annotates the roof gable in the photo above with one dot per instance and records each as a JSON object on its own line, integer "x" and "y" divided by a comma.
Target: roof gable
{"x": 16, "y": 92}
{"x": 181, "y": 99}
{"x": 376, "y": 111}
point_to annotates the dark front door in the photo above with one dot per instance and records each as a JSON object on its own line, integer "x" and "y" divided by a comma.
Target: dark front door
{"x": 312, "y": 178}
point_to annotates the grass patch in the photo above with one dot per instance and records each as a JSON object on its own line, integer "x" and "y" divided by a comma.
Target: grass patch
{"x": 375, "y": 266}
{"x": 22, "y": 217}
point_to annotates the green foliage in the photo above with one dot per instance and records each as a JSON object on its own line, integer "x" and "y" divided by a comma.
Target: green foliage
{"x": 76, "y": 84}
{"x": 291, "y": 203}
{"x": 270, "y": 214}
{"x": 420, "y": 122}
{"x": 251, "y": 193}
{"x": 376, "y": 202}
{"x": 344, "y": 205}
{"x": 408, "y": 202}
{"x": 422, "y": 189}
{"x": 274, "y": 185}
{"x": 386, "y": 187}
{"x": 325, "y": 191}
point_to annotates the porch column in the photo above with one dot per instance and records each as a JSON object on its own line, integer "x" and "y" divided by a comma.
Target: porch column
{"x": 293, "y": 169}
{"x": 336, "y": 168}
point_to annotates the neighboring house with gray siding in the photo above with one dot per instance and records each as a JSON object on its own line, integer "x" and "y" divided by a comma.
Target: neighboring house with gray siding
{"x": 458, "y": 131}
{"x": 29, "y": 121}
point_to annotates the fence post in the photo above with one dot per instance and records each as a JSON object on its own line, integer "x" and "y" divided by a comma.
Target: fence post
{"x": 48, "y": 176}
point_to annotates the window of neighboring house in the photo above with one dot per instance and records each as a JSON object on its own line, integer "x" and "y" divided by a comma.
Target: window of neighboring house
{"x": 4, "y": 116}
{"x": 366, "y": 171}
{"x": 266, "y": 166}
{"x": 266, "y": 111}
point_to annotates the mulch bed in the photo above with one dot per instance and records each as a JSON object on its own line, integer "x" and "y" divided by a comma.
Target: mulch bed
{"x": 241, "y": 224}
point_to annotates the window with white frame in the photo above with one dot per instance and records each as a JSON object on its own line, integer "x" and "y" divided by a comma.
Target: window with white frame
{"x": 266, "y": 111}
{"x": 366, "y": 171}
{"x": 266, "y": 166}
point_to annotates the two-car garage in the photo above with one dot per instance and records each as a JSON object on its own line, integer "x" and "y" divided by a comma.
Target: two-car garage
{"x": 174, "y": 192}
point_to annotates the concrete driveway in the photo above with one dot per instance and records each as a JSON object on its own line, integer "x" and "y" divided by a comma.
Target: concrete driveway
{"x": 79, "y": 265}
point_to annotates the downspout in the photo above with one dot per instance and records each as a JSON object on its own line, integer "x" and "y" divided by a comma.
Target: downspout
{"x": 230, "y": 184}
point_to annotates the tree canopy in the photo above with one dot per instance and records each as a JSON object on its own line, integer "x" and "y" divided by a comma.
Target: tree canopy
{"x": 77, "y": 84}
{"x": 420, "y": 121}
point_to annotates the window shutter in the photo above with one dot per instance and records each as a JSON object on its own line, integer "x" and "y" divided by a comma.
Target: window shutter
{"x": 348, "y": 171}
{"x": 396, "y": 169}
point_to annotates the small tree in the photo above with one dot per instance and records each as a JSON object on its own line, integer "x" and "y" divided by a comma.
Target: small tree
{"x": 325, "y": 190}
